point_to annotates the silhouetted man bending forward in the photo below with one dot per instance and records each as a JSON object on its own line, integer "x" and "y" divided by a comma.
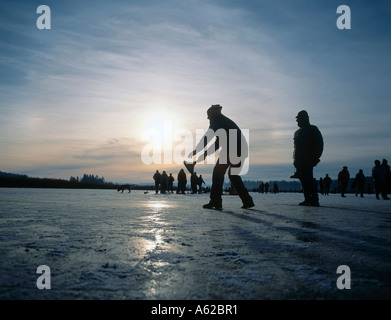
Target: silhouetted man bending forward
{"x": 232, "y": 155}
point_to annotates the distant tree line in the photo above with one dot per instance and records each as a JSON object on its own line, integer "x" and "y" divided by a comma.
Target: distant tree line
{"x": 89, "y": 178}
{"x": 90, "y": 181}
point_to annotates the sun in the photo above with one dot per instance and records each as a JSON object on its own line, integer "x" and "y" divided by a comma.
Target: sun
{"x": 159, "y": 126}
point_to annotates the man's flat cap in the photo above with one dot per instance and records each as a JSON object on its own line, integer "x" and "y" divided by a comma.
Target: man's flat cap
{"x": 302, "y": 114}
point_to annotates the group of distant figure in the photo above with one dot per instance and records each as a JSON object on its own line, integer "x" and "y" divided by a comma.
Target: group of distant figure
{"x": 381, "y": 175}
{"x": 264, "y": 187}
{"x": 343, "y": 180}
{"x": 165, "y": 183}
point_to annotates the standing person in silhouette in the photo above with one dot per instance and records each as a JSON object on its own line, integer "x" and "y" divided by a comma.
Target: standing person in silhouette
{"x": 171, "y": 180}
{"x": 359, "y": 183}
{"x": 262, "y": 188}
{"x": 164, "y": 182}
{"x": 194, "y": 182}
{"x": 327, "y": 183}
{"x": 157, "y": 177}
{"x": 387, "y": 169}
{"x": 219, "y": 121}
{"x": 200, "y": 181}
{"x": 267, "y": 187}
{"x": 308, "y": 148}
{"x": 379, "y": 175}
{"x": 182, "y": 180}
{"x": 343, "y": 179}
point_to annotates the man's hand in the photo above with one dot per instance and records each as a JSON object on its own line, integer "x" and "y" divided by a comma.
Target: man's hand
{"x": 192, "y": 154}
{"x": 316, "y": 161}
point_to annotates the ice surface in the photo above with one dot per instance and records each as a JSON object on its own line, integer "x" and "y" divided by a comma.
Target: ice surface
{"x": 101, "y": 244}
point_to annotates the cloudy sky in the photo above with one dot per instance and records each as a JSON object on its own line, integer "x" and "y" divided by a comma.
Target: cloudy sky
{"x": 79, "y": 98}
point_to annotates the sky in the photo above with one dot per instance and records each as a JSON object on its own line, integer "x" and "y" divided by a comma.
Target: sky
{"x": 82, "y": 96}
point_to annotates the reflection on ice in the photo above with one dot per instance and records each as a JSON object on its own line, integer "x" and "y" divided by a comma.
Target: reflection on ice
{"x": 145, "y": 244}
{"x": 154, "y": 219}
{"x": 153, "y": 244}
{"x": 152, "y": 229}
{"x": 159, "y": 205}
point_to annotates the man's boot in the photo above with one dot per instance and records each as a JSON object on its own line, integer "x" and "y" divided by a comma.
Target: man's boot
{"x": 213, "y": 204}
{"x": 249, "y": 203}
{"x": 305, "y": 203}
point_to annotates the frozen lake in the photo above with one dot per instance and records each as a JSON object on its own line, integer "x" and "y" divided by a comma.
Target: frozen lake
{"x": 101, "y": 244}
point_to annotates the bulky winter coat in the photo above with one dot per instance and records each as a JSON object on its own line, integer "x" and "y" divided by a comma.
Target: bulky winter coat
{"x": 308, "y": 146}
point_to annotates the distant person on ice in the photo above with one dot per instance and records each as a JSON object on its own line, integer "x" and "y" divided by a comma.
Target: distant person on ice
{"x": 359, "y": 183}
{"x": 157, "y": 177}
{"x": 343, "y": 179}
{"x": 200, "y": 181}
{"x": 194, "y": 182}
{"x": 275, "y": 187}
{"x": 262, "y": 188}
{"x": 182, "y": 181}
{"x": 388, "y": 175}
{"x": 327, "y": 183}
{"x": 308, "y": 148}
{"x": 219, "y": 121}
{"x": 379, "y": 175}
{"x": 164, "y": 182}
{"x": 171, "y": 180}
